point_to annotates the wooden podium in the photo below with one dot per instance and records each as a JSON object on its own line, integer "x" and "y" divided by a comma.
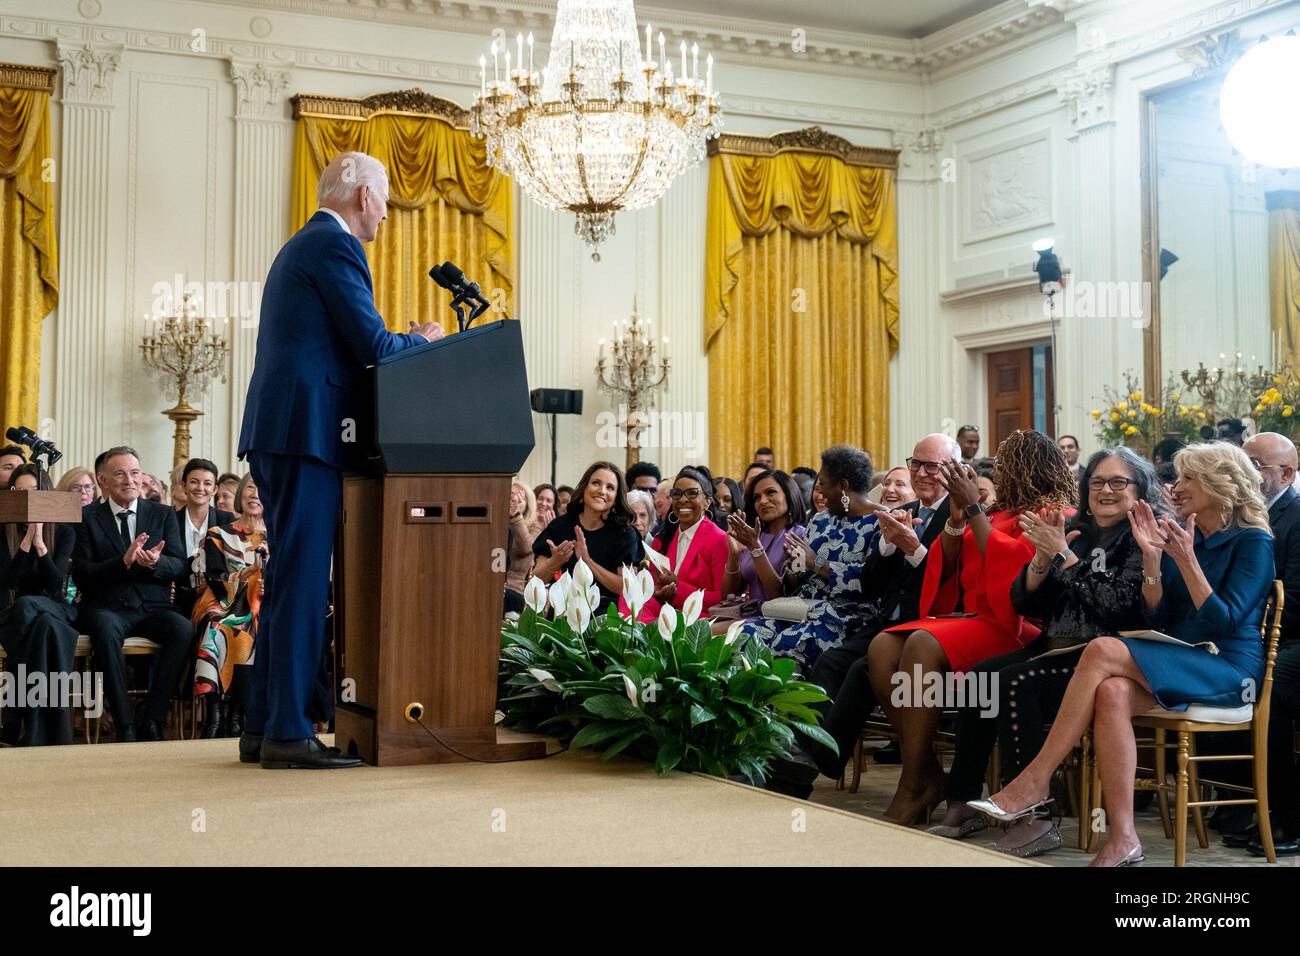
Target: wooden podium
{"x": 44, "y": 507}
{"x": 419, "y": 565}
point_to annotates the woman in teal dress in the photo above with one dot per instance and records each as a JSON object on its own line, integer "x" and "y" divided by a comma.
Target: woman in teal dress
{"x": 827, "y": 565}
{"x": 1206, "y": 579}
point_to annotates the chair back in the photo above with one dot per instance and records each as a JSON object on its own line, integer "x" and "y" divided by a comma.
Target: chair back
{"x": 1270, "y": 632}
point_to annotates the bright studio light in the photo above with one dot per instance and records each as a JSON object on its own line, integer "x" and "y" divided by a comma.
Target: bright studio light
{"x": 1044, "y": 245}
{"x": 1258, "y": 106}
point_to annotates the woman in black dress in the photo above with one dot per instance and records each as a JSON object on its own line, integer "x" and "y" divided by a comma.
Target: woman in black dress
{"x": 37, "y": 626}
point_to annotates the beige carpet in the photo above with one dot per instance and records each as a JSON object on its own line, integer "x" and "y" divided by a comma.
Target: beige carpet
{"x": 192, "y": 803}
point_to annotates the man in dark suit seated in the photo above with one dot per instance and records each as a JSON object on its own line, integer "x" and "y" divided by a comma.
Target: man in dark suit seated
{"x": 318, "y": 331}
{"x": 127, "y": 557}
{"x": 894, "y": 572}
{"x": 197, "y": 517}
{"x": 1275, "y": 457}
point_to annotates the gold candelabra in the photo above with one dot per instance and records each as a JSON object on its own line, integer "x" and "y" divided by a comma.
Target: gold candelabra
{"x": 1205, "y": 382}
{"x": 186, "y": 352}
{"x": 633, "y": 374}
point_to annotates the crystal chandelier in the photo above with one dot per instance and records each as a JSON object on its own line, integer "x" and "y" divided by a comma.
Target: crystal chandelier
{"x": 604, "y": 127}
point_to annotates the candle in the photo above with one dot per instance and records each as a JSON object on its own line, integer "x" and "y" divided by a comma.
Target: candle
{"x": 620, "y": 59}
{"x": 496, "y": 72}
{"x": 695, "y": 61}
{"x": 482, "y": 75}
{"x": 573, "y": 55}
{"x": 683, "y": 59}
{"x": 530, "y": 54}
{"x": 519, "y": 46}
{"x": 662, "y": 57}
{"x": 708, "y": 82}
{"x": 507, "y": 64}
{"x": 647, "y": 44}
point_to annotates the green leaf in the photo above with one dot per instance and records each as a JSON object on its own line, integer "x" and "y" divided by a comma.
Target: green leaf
{"x": 596, "y": 733}
{"x": 669, "y": 756}
{"x": 618, "y": 746}
{"x": 701, "y": 715}
{"x": 813, "y": 732}
{"x": 798, "y": 712}
{"x": 612, "y": 707}
{"x": 800, "y": 696}
{"x": 783, "y": 667}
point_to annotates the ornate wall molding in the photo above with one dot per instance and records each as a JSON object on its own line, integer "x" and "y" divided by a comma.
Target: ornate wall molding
{"x": 412, "y": 101}
{"x": 1087, "y": 96}
{"x": 17, "y": 76}
{"x": 88, "y": 71}
{"x": 259, "y": 88}
{"x": 814, "y": 139}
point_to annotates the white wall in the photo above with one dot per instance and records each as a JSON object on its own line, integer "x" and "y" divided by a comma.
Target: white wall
{"x": 173, "y": 133}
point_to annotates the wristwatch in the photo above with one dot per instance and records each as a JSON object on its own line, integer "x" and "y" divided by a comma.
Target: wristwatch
{"x": 820, "y": 563}
{"x": 1059, "y": 559}
{"x": 757, "y": 552}
{"x": 975, "y": 509}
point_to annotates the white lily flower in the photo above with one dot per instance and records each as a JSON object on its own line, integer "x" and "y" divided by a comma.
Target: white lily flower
{"x": 559, "y": 596}
{"x": 733, "y": 632}
{"x": 638, "y": 587}
{"x": 566, "y": 581}
{"x": 535, "y": 595}
{"x": 744, "y": 662}
{"x": 630, "y": 587}
{"x": 630, "y": 688}
{"x": 582, "y": 575}
{"x": 593, "y": 596}
{"x": 578, "y": 613}
{"x": 692, "y": 606}
{"x": 545, "y": 678}
{"x": 667, "y": 622}
{"x": 647, "y": 585}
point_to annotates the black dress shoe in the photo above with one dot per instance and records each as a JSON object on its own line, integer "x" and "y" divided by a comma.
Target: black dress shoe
{"x": 1235, "y": 819}
{"x": 146, "y": 728}
{"x": 888, "y": 754}
{"x": 308, "y": 754}
{"x": 1241, "y": 838}
{"x": 211, "y": 717}
{"x": 250, "y": 748}
{"x": 125, "y": 735}
{"x": 1283, "y": 845}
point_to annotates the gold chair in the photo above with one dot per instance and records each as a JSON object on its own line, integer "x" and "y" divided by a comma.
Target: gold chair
{"x": 131, "y": 647}
{"x": 1198, "y": 719}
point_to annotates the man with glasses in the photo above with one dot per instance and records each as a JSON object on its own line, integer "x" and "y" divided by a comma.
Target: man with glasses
{"x": 1274, "y": 456}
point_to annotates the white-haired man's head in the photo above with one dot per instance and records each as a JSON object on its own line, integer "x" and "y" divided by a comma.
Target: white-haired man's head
{"x": 922, "y": 466}
{"x": 355, "y": 186}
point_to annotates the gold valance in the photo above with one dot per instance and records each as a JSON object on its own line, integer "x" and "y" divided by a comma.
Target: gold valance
{"x": 15, "y": 76}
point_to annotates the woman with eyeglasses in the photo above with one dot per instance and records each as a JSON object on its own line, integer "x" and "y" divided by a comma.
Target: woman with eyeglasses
{"x": 981, "y": 555}
{"x": 1203, "y": 581}
{"x": 696, "y": 548}
{"x": 826, "y": 564}
{"x": 1085, "y": 581}
{"x": 37, "y": 626}
{"x": 80, "y": 481}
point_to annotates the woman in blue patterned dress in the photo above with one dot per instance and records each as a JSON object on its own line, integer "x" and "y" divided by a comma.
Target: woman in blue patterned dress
{"x": 829, "y": 562}
{"x": 1205, "y": 580}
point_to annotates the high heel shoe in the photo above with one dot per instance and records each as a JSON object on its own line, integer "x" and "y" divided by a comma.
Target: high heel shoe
{"x": 991, "y": 809}
{"x": 1132, "y": 858}
{"x": 919, "y": 812}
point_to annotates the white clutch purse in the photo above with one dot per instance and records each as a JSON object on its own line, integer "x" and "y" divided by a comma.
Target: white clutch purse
{"x": 786, "y": 609}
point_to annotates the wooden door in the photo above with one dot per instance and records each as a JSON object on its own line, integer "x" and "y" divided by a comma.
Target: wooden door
{"x": 1011, "y": 394}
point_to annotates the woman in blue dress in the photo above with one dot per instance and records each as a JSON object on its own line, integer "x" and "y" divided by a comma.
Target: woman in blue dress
{"x": 1205, "y": 580}
{"x": 828, "y": 562}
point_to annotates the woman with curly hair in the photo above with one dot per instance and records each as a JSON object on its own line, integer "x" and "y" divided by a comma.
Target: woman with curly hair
{"x": 982, "y": 554}
{"x": 1207, "y": 580}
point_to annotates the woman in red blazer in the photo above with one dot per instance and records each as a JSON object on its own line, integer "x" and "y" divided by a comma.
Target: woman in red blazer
{"x": 703, "y": 561}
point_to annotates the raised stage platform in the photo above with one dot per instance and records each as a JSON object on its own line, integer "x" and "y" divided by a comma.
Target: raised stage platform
{"x": 191, "y": 803}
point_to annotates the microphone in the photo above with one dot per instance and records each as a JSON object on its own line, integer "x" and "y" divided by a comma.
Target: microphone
{"x": 23, "y": 435}
{"x": 453, "y": 280}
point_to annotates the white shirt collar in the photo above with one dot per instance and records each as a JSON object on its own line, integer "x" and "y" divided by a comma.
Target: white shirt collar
{"x": 684, "y": 538}
{"x": 337, "y": 218}
{"x": 1272, "y": 501}
{"x": 118, "y": 509}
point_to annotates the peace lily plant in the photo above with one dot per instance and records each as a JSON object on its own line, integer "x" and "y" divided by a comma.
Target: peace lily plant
{"x": 668, "y": 691}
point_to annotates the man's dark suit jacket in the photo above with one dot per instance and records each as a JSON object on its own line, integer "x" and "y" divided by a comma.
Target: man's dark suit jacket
{"x": 97, "y": 568}
{"x": 896, "y": 583}
{"x": 1284, "y": 520}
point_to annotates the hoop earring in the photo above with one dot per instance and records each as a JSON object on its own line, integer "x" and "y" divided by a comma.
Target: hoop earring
{"x": 844, "y": 500}
{"x": 672, "y": 518}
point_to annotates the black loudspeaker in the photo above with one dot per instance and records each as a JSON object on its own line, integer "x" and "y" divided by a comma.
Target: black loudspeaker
{"x": 556, "y": 401}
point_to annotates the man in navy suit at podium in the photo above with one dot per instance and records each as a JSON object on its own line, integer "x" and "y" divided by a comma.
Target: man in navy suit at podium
{"x": 319, "y": 329}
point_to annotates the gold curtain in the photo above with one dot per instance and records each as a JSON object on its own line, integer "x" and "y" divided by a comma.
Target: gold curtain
{"x": 29, "y": 270}
{"x": 801, "y": 297}
{"x": 1284, "y": 273}
{"x": 445, "y": 202}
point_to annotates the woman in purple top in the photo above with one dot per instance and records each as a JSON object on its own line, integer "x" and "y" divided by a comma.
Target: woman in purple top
{"x": 773, "y": 507}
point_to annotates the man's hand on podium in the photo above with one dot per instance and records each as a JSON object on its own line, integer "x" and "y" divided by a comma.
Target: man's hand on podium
{"x": 430, "y": 330}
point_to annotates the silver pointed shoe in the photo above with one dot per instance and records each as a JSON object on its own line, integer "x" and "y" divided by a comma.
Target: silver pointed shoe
{"x": 962, "y": 830}
{"x": 987, "y": 806}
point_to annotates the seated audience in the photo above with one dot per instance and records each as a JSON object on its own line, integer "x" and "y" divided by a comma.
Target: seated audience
{"x": 727, "y": 495}
{"x": 763, "y": 456}
{"x": 199, "y": 477}
{"x": 226, "y": 614}
{"x": 662, "y": 504}
{"x": 696, "y": 548}
{"x": 642, "y": 504}
{"x": 827, "y": 564}
{"x": 804, "y": 479}
{"x": 980, "y": 558}
{"x": 968, "y": 438}
{"x": 1085, "y": 581}
{"x": 37, "y": 627}
{"x": 643, "y": 476}
{"x": 227, "y": 490}
{"x": 756, "y": 539}
{"x": 128, "y": 554}
{"x": 563, "y": 495}
{"x": 1205, "y": 581}
{"x": 545, "y": 495}
{"x": 150, "y": 488}
{"x": 519, "y": 544}
{"x": 753, "y": 471}
{"x": 1274, "y": 457}
{"x": 597, "y": 528}
{"x": 79, "y": 481}
{"x": 896, "y": 488}
{"x": 11, "y": 457}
